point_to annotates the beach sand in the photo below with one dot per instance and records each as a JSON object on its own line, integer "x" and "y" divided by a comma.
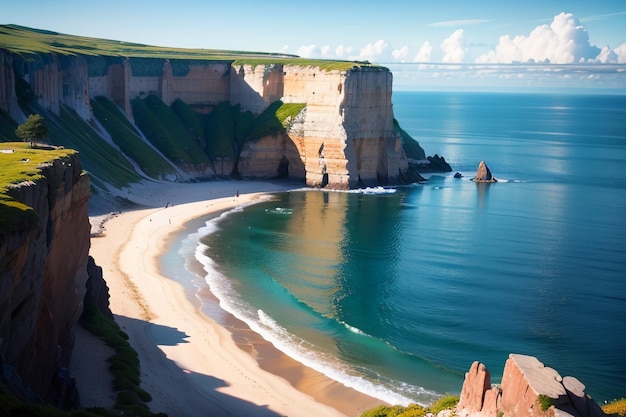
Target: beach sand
{"x": 190, "y": 364}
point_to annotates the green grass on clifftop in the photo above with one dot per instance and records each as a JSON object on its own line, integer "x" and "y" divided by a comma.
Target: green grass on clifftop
{"x": 20, "y": 163}
{"x": 35, "y": 44}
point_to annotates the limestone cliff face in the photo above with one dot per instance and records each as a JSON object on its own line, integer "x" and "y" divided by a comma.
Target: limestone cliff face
{"x": 43, "y": 271}
{"x": 345, "y": 137}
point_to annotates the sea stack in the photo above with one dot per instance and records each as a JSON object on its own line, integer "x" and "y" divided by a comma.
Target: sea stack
{"x": 483, "y": 174}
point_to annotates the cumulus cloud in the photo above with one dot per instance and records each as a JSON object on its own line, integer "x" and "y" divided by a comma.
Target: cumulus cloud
{"x": 424, "y": 54}
{"x": 453, "y": 47}
{"x": 564, "y": 41}
{"x": 400, "y": 54}
{"x": 620, "y": 51}
{"x": 372, "y": 51}
{"x": 314, "y": 51}
{"x": 342, "y": 51}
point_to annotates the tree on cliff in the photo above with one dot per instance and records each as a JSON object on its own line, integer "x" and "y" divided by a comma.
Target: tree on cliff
{"x": 33, "y": 130}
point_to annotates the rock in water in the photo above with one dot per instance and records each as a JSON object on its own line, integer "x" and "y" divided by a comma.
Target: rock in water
{"x": 483, "y": 174}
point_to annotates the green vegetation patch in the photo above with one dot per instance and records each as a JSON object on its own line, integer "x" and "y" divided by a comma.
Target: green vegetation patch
{"x": 128, "y": 139}
{"x": 448, "y": 402}
{"x": 229, "y": 128}
{"x": 192, "y": 120}
{"x": 124, "y": 364}
{"x": 166, "y": 131}
{"x": 19, "y": 163}
{"x": 411, "y": 147}
{"x": 616, "y": 408}
{"x": 97, "y": 156}
{"x": 545, "y": 402}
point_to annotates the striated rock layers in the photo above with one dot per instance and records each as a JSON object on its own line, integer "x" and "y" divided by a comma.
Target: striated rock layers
{"x": 43, "y": 272}
{"x": 345, "y": 136}
{"x": 528, "y": 389}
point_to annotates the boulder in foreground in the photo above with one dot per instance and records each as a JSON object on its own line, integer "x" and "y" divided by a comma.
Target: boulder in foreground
{"x": 528, "y": 389}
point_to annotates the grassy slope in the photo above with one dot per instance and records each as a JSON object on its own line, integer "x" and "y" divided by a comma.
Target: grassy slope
{"x": 105, "y": 162}
{"x": 128, "y": 139}
{"x": 19, "y": 166}
{"x": 165, "y": 130}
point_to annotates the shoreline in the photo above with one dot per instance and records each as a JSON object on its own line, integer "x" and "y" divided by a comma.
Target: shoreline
{"x": 191, "y": 364}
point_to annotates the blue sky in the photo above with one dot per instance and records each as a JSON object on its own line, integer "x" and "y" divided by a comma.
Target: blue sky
{"x": 427, "y": 44}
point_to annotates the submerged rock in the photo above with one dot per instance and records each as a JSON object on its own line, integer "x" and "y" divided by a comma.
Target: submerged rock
{"x": 483, "y": 174}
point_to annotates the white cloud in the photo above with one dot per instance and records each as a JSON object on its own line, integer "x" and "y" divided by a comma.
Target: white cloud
{"x": 372, "y": 51}
{"x": 620, "y": 51}
{"x": 564, "y": 41}
{"x": 342, "y": 51}
{"x": 313, "y": 51}
{"x": 607, "y": 55}
{"x": 400, "y": 54}
{"x": 306, "y": 51}
{"x": 424, "y": 53}
{"x": 453, "y": 47}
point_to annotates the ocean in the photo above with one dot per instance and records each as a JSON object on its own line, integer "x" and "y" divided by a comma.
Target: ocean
{"x": 396, "y": 291}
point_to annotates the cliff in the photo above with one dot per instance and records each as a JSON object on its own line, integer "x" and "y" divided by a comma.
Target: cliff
{"x": 528, "y": 389}
{"x": 345, "y": 137}
{"x": 43, "y": 266}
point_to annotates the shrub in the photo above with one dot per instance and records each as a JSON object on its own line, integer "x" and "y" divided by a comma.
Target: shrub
{"x": 447, "y": 402}
{"x": 616, "y": 408}
{"x": 413, "y": 410}
{"x": 545, "y": 402}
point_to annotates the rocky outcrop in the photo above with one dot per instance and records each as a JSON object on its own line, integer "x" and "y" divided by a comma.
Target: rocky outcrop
{"x": 97, "y": 290}
{"x": 43, "y": 271}
{"x": 345, "y": 138}
{"x": 483, "y": 174}
{"x": 528, "y": 389}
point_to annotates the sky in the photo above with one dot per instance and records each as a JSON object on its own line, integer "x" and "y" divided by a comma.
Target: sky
{"x": 443, "y": 44}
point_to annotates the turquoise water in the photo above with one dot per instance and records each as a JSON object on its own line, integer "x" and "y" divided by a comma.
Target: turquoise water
{"x": 396, "y": 292}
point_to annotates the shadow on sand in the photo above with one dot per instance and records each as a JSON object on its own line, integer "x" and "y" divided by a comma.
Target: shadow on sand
{"x": 201, "y": 395}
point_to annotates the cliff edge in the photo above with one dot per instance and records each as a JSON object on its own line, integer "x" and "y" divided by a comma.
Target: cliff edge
{"x": 44, "y": 250}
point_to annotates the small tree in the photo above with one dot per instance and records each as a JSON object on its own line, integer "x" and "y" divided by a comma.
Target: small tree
{"x": 34, "y": 129}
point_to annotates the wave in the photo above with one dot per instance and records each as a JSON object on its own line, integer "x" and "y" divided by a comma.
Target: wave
{"x": 353, "y": 329}
{"x": 363, "y": 380}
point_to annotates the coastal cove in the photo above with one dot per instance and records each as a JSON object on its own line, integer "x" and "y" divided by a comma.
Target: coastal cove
{"x": 465, "y": 271}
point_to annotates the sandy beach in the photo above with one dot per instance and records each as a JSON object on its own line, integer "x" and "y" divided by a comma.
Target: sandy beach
{"x": 190, "y": 364}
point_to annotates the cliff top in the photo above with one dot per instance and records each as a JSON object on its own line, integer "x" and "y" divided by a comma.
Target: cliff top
{"x": 32, "y": 43}
{"x": 20, "y": 163}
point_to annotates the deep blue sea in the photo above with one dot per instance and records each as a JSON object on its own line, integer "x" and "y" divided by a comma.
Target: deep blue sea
{"x": 397, "y": 292}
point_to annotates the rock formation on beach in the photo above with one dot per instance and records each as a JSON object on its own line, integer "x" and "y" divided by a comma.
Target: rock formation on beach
{"x": 528, "y": 389}
{"x": 483, "y": 174}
